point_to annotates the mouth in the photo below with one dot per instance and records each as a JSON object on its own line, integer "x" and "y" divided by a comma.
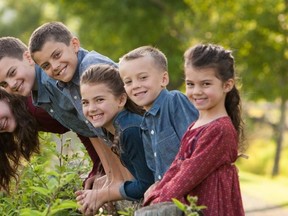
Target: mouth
{"x": 140, "y": 93}
{"x": 3, "y": 124}
{"x": 96, "y": 117}
{"x": 60, "y": 72}
{"x": 19, "y": 87}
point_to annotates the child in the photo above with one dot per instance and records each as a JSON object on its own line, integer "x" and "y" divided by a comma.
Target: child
{"x": 18, "y": 136}
{"x": 19, "y": 75}
{"x": 54, "y": 48}
{"x": 204, "y": 166}
{"x": 168, "y": 113}
{"x": 105, "y": 104}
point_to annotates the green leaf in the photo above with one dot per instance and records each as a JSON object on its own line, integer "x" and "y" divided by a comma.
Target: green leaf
{"x": 41, "y": 190}
{"x": 180, "y": 205}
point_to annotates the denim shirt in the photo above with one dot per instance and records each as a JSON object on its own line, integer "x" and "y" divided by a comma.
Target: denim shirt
{"x": 163, "y": 126}
{"x": 59, "y": 106}
{"x": 132, "y": 155}
{"x": 72, "y": 88}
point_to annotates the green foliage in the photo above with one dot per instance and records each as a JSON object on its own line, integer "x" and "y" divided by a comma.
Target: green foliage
{"x": 129, "y": 211}
{"x": 189, "y": 210}
{"x": 47, "y": 183}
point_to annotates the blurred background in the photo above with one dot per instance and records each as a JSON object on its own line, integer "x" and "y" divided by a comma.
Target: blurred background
{"x": 255, "y": 30}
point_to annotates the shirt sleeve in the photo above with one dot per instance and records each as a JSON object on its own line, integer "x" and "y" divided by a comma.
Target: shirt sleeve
{"x": 181, "y": 106}
{"x": 211, "y": 151}
{"x": 134, "y": 151}
{"x": 45, "y": 122}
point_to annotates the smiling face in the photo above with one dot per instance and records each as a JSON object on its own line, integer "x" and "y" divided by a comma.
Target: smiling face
{"x": 17, "y": 76}
{"x": 143, "y": 80}
{"x": 205, "y": 90}
{"x": 100, "y": 106}
{"x": 58, "y": 60}
{"x": 7, "y": 119}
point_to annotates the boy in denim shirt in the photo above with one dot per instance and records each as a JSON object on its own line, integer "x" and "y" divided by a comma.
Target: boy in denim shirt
{"x": 19, "y": 75}
{"x": 168, "y": 113}
{"x": 54, "y": 48}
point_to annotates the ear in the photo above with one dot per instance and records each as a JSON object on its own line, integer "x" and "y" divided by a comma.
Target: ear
{"x": 228, "y": 85}
{"x": 122, "y": 100}
{"x": 75, "y": 44}
{"x": 165, "y": 79}
{"x": 28, "y": 57}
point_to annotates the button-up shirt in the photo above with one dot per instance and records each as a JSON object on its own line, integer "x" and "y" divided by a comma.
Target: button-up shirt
{"x": 58, "y": 105}
{"x": 72, "y": 88}
{"x": 163, "y": 126}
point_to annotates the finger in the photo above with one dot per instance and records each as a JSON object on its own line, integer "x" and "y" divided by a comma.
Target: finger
{"x": 79, "y": 192}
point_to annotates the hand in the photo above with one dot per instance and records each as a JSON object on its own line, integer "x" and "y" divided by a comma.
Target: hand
{"x": 89, "y": 183}
{"x": 89, "y": 201}
{"x": 150, "y": 189}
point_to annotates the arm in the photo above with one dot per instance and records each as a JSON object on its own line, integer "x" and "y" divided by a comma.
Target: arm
{"x": 212, "y": 151}
{"x": 134, "y": 156}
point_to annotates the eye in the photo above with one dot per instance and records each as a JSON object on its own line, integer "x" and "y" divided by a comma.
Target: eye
{"x": 143, "y": 77}
{"x": 127, "y": 82}
{"x": 99, "y": 100}
{"x": 84, "y": 103}
{"x": 12, "y": 73}
{"x": 45, "y": 66}
{"x": 57, "y": 55}
{"x": 206, "y": 84}
{"x": 4, "y": 84}
{"x": 189, "y": 84}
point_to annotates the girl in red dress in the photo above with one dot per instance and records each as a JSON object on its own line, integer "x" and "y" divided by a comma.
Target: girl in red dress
{"x": 204, "y": 166}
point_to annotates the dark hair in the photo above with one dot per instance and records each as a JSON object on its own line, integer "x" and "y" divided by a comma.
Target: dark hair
{"x": 21, "y": 143}
{"x": 12, "y": 47}
{"x": 159, "y": 57}
{"x": 109, "y": 75}
{"x": 51, "y": 31}
{"x": 215, "y": 56}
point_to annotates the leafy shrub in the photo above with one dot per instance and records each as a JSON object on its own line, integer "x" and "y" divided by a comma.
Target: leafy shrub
{"x": 47, "y": 183}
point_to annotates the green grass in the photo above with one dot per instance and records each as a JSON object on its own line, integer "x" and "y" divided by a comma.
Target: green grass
{"x": 271, "y": 190}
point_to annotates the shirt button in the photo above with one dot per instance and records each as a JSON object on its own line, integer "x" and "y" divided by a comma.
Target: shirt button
{"x": 155, "y": 154}
{"x": 86, "y": 121}
{"x": 159, "y": 177}
{"x": 152, "y": 132}
{"x": 51, "y": 110}
{"x": 75, "y": 97}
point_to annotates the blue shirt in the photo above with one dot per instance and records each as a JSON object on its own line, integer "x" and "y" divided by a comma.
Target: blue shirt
{"x": 59, "y": 106}
{"x": 163, "y": 126}
{"x": 132, "y": 155}
{"x": 72, "y": 88}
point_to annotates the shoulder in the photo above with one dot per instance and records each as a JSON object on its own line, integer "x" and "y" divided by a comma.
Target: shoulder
{"x": 221, "y": 127}
{"x": 93, "y": 57}
{"x": 126, "y": 119}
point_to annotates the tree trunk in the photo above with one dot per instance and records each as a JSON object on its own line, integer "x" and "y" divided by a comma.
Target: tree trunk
{"x": 279, "y": 137}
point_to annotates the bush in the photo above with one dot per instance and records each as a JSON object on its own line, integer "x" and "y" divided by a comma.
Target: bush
{"x": 47, "y": 183}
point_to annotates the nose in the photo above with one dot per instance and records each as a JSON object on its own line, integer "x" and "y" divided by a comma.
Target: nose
{"x": 11, "y": 84}
{"x": 92, "y": 108}
{"x": 136, "y": 84}
{"x": 55, "y": 65}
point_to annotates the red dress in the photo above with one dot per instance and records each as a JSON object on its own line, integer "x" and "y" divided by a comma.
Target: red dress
{"x": 204, "y": 168}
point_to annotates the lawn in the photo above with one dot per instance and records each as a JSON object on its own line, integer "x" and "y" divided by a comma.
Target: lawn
{"x": 270, "y": 190}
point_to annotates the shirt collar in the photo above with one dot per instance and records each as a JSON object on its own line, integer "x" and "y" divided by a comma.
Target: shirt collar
{"x": 158, "y": 102}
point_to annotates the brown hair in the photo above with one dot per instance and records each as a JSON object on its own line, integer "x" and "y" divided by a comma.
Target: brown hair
{"x": 21, "y": 143}
{"x": 109, "y": 75}
{"x": 51, "y": 31}
{"x": 159, "y": 57}
{"x": 215, "y": 56}
{"x": 12, "y": 47}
